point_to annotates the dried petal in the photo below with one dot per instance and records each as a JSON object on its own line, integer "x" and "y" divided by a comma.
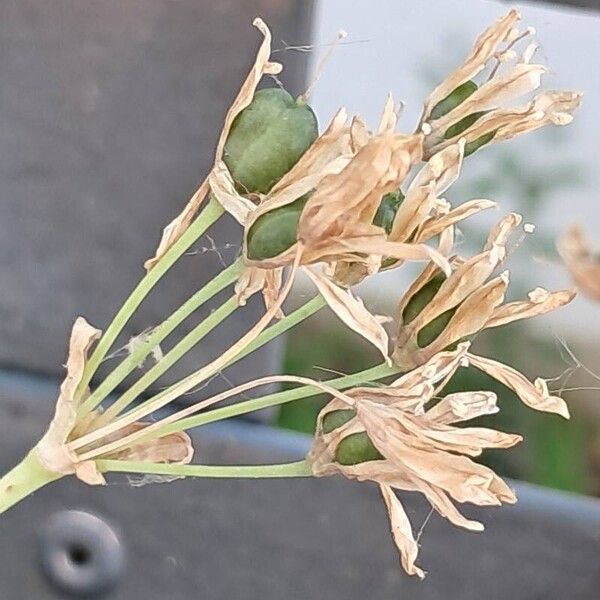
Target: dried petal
{"x": 540, "y": 302}
{"x": 535, "y": 395}
{"x": 402, "y": 532}
{"x": 581, "y": 261}
{"x": 463, "y": 406}
{"x": 351, "y": 311}
{"x": 52, "y": 448}
{"x": 172, "y": 448}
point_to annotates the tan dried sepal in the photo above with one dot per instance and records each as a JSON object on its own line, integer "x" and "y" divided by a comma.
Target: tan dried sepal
{"x": 402, "y": 532}
{"x": 463, "y": 406}
{"x": 535, "y": 395}
{"x": 52, "y": 449}
{"x": 540, "y": 302}
{"x": 351, "y": 311}
{"x": 172, "y": 448}
{"x": 353, "y": 195}
{"x": 262, "y": 66}
{"x": 483, "y": 50}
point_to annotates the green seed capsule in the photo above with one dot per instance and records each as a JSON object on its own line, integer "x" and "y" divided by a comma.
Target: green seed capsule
{"x": 463, "y": 124}
{"x": 355, "y": 448}
{"x": 453, "y": 99}
{"x": 479, "y": 142}
{"x": 422, "y": 298}
{"x": 430, "y": 332}
{"x": 275, "y": 231}
{"x": 386, "y": 213}
{"x": 267, "y": 138}
{"x": 433, "y": 329}
{"x": 336, "y": 418}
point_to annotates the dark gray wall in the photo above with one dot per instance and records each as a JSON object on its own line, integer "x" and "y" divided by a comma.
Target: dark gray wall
{"x": 109, "y": 113}
{"x": 290, "y": 539}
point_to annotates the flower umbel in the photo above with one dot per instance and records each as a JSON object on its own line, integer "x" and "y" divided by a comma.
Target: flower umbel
{"x": 460, "y": 107}
{"x": 438, "y": 311}
{"x": 393, "y": 437}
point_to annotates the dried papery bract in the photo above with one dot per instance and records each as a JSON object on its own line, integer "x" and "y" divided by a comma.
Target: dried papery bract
{"x": 53, "y": 450}
{"x": 582, "y": 262}
{"x": 419, "y": 448}
{"x": 437, "y": 311}
{"x": 262, "y": 66}
{"x": 459, "y": 107}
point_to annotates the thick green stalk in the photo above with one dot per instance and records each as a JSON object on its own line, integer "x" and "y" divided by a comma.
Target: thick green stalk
{"x": 205, "y": 219}
{"x": 169, "y": 359}
{"x": 24, "y": 479}
{"x": 305, "y": 311}
{"x": 241, "y": 408}
{"x": 294, "y": 469}
{"x": 131, "y": 362}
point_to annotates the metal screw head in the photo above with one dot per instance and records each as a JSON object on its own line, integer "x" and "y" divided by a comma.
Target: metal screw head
{"x": 80, "y": 554}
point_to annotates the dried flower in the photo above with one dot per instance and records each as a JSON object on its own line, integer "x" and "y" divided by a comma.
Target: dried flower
{"x": 52, "y": 450}
{"x": 581, "y": 261}
{"x": 459, "y": 107}
{"x": 391, "y": 436}
{"x": 419, "y": 215}
{"x": 438, "y": 311}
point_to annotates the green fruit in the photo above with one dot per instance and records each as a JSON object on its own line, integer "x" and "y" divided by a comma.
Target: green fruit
{"x": 433, "y": 329}
{"x": 422, "y": 298}
{"x": 463, "y": 124}
{"x": 355, "y": 448}
{"x": 430, "y": 332}
{"x": 267, "y": 139}
{"x": 275, "y": 231}
{"x": 336, "y": 418}
{"x": 453, "y": 99}
{"x": 479, "y": 142}
{"x": 386, "y": 213}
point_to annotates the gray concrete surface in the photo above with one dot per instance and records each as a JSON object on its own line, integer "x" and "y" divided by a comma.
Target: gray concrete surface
{"x": 295, "y": 539}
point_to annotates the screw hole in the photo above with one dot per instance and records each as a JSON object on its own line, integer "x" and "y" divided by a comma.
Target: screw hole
{"x": 79, "y": 555}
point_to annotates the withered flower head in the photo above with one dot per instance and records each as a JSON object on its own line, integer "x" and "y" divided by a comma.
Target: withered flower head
{"x": 417, "y": 216}
{"x": 438, "y": 311}
{"x": 391, "y": 436}
{"x": 479, "y": 112}
{"x": 582, "y": 262}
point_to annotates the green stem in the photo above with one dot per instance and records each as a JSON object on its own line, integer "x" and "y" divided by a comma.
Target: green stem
{"x": 311, "y": 307}
{"x": 281, "y": 326}
{"x": 293, "y": 469}
{"x": 174, "y": 355}
{"x": 241, "y": 408}
{"x": 129, "y": 364}
{"x": 24, "y": 479}
{"x": 205, "y": 219}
